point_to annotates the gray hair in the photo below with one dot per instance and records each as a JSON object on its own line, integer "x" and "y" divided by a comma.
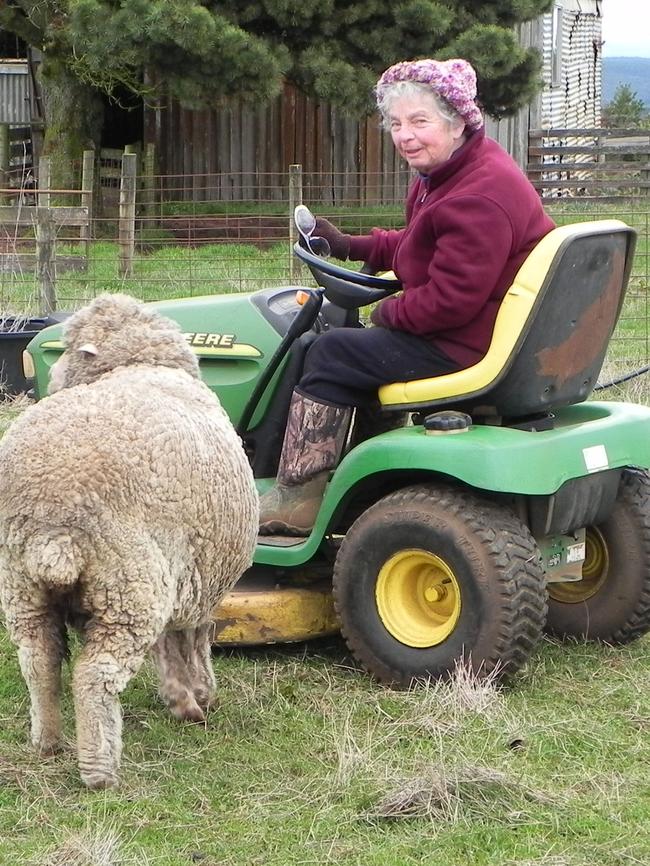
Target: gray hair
{"x": 412, "y": 90}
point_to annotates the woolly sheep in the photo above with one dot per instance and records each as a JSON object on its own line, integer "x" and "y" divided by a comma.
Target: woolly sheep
{"x": 127, "y": 509}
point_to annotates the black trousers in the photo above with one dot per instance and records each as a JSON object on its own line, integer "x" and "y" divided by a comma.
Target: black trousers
{"x": 346, "y": 366}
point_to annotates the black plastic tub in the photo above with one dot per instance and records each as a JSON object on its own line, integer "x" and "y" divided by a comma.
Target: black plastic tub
{"x": 15, "y": 334}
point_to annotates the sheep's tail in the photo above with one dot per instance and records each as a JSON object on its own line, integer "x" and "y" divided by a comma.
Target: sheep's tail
{"x": 52, "y": 558}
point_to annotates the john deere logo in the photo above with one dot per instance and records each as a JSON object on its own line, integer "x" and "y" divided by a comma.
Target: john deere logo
{"x": 220, "y": 346}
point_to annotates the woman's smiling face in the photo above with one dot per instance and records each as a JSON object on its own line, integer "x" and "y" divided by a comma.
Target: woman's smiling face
{"x": 421, "y": 134}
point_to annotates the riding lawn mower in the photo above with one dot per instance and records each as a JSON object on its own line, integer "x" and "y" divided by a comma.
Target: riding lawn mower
{"x": 507, "y": 503}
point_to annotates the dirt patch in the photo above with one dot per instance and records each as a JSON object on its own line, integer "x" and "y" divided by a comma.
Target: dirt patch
{"x": 197, "y": 230}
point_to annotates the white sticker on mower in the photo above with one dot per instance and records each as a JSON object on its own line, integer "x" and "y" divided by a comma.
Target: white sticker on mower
{"x": 595, "y": 458}
{"x": 576, "y": 552}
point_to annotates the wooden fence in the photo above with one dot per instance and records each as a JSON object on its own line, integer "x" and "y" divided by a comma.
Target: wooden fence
{"x": 22, "y": 250}
{"x": 242, "y": 153}
{"x": 46, "y": 222}
{"x": 591, "y": 164}
{"x": 16, "y": 158}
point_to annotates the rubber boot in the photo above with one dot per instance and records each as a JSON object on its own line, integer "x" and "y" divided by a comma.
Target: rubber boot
{"x": 313, "y": 443}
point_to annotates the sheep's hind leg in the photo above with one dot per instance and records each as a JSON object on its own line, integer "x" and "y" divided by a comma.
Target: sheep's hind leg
{"x": 196, "y": 648}
{"x": 110, "y": 657}
{"x": 41, "y": 648}
{"x": 176, "y": 686}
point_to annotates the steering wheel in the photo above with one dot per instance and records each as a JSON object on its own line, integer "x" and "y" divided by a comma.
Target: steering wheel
{"x": 345, "y": 288}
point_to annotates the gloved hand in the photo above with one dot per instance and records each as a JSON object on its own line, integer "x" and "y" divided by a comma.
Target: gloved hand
{"x": 339, "y": 243}
{"x": 376, "y": 317}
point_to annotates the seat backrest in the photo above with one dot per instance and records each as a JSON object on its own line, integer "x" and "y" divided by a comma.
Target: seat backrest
{"x": 551, "y": 332}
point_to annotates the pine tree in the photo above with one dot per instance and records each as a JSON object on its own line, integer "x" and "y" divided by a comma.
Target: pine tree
{"x": 625, "y": 110}
{"x": 204, "y": 51}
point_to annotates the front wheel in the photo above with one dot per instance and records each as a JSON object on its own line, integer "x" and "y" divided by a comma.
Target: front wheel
{"x": 433, "y": 575}
{"x": 612, "y": 601}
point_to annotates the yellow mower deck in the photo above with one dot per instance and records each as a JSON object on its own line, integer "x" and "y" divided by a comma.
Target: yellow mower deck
{"x": 261, "y": 611}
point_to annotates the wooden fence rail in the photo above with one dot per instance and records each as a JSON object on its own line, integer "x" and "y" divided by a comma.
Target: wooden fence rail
{"x": 16, "y": 160}
{"x": 602, "y": 164}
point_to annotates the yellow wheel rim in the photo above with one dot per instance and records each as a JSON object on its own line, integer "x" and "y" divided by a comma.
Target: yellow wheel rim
{"x": 595, "y": 571}
{"x": 418, "y": 598}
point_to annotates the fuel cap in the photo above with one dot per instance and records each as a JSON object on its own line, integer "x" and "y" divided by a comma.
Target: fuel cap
{"x": 447, "y": 421}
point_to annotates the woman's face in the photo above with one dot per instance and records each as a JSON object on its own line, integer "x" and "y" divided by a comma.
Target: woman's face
{"x": 421, "y": 135}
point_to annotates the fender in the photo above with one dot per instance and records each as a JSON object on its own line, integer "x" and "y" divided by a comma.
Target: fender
{"x": 587, "y": 438}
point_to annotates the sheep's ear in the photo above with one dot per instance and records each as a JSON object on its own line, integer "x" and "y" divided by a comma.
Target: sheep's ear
{"x": 88, "y": 349}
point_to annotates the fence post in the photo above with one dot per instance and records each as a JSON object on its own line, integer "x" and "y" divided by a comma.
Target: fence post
{"x": 534, "y": 174}
{"x": 46, "y": 258}
{"x": 645, "y": 174}
{"x": 127, "y": 214}
{"x": 295, "y": 198}
{"x": 148, "y": 182}
{"x": 44, "y": 181}
{"x": 87, "y": 186}
{"x": 4, "y": 157}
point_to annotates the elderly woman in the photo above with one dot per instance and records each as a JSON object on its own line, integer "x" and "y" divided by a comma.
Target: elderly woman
{"x": 472, "y": 217}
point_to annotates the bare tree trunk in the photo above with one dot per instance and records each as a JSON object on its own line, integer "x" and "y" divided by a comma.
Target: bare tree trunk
{"x": 73, "y": 122}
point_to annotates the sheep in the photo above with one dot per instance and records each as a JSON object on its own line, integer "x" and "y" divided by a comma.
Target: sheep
{"x": 127, "y": 510}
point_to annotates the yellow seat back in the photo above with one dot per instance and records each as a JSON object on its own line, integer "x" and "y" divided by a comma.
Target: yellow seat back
{"x": 513, "y": 321}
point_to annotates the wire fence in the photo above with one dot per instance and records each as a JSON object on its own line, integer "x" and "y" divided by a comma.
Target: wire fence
{"x": 150, "y": 241}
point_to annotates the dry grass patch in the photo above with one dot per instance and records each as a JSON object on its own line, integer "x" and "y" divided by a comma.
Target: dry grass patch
{"x": 101, "y": 845}
{"x": 447, "y": 795}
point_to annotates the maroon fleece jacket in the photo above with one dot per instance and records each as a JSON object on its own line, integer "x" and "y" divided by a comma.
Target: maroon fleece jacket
{"x": 469, "y": 226}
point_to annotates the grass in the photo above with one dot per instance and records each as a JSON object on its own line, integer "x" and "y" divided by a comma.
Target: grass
{"x": 170, "y": 271}
{"x": 307, "y": 761}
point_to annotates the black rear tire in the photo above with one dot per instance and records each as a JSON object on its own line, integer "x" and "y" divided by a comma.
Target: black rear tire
{"x": 612, "y": 601}
{"x": 432, "y": 575}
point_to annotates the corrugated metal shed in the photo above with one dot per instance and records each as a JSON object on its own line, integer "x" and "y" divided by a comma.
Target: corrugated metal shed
{"x": 14, "y": 92}
{"x": 572, "y": 51}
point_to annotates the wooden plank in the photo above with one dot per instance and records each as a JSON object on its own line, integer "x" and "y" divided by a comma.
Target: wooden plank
{"x": 187, "y": 145}
{"x": 288, "y": 126}
{"x": 249, "y": 175}
{"x": 591, "y": 150}
{"x": 46, "y": 259}
{"x": 27, "y": 215}
{"x": 600, "y": 199}
{"x": 207, "y": 149}
{"x": 299, "y": 129}
{"x": 235, "y": 168}
{"x": 599, "y": 167}
{"x": 126, "y": 229}
{"x": 601, "y": 132}
{"x": 371, "y": 158}
{"x": 588, "y": 183}
{"x": 325, "y": 156}
{"x": 311, "y": 140}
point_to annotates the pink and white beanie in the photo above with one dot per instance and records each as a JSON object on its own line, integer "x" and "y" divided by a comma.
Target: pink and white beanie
{"x": 453, "y": 80}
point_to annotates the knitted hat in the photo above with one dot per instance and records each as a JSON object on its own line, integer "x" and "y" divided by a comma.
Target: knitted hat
{"x": 453, "y": 80}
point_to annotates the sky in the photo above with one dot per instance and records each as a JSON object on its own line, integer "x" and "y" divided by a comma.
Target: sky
{"x": 626, "y": 28}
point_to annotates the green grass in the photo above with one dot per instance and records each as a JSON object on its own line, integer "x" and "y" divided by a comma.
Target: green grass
{"x": 307, "y": 761}
{"x": 170, "y": 271}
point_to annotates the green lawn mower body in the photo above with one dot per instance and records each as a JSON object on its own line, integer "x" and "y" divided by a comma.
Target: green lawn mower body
{"x": 460, "y": 536}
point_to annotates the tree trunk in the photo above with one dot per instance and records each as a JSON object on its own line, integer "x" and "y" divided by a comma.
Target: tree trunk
{"x": 73, "y": 122}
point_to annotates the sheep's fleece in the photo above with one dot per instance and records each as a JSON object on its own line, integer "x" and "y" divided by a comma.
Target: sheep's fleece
{"x": 128, "y": 509}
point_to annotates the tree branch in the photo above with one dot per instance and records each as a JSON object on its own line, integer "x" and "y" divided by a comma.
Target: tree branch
{"x": 16, "y": 21}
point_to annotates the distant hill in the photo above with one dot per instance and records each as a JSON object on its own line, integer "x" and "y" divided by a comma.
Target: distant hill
{"x": 634, "y": 71}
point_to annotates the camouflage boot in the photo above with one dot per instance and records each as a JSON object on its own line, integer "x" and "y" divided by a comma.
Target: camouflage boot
{"x": 313, "y": 442}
